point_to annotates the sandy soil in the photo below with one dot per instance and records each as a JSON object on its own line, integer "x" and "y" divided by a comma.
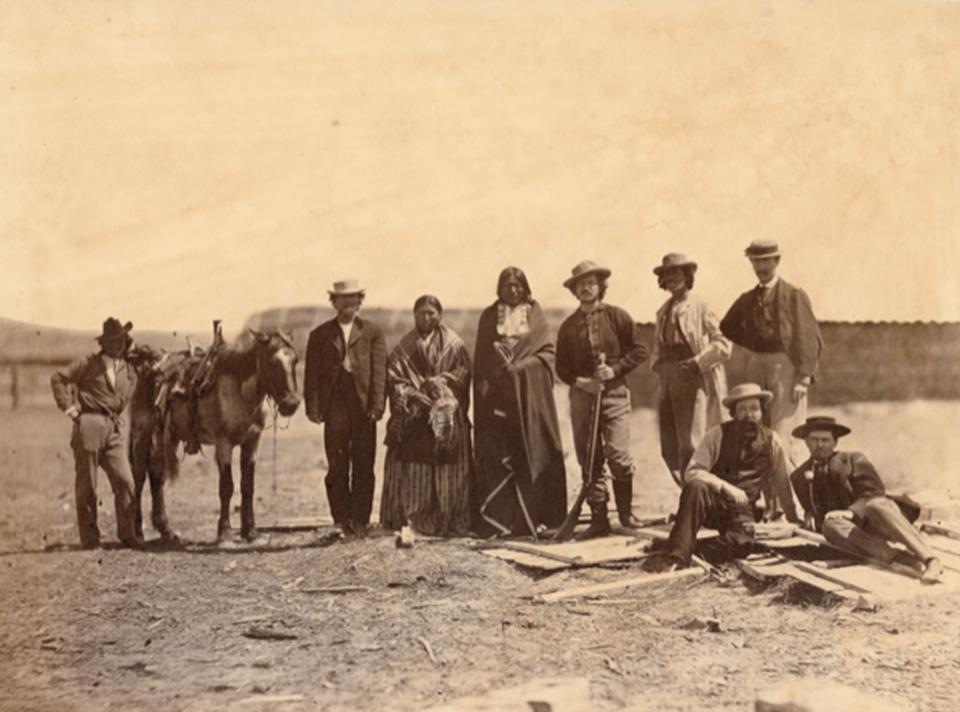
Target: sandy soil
{"x": 115, "y": 629}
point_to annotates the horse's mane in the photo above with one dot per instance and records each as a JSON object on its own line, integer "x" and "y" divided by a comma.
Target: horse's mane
{"x": 238, "y": 360}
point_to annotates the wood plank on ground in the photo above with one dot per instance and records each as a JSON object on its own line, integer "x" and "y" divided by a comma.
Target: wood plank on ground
{"x": 943, "y": 543}
{"x": 555, "y": 556}
{"x": 884, "y": 584}
{"x": 298, "y": 524}
{"x": 790, "y": 543}
{"x": 662, "y": 531}
{"x": 531, "y": 561}
{"x": 941, "y": 529}
{"x": 775, "y": 566}
{"x": 632, "y": 582}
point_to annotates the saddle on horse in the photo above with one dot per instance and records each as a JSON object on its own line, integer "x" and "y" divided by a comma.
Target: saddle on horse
{"x": 188, "y": 374}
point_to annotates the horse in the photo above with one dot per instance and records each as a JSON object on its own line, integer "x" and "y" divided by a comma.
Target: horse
{"x": 232, "y": 412}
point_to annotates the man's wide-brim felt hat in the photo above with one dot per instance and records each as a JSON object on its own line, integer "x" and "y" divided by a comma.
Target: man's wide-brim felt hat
{"x": 114, "y": 330}
{"x": 583, "y": 269}
{"x": 672, "y": 260}
{"x": 745, "y": 391}
{"x": 821, "y": 423}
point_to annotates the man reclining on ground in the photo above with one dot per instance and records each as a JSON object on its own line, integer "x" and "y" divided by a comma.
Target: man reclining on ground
{"x": 843, "y": 498}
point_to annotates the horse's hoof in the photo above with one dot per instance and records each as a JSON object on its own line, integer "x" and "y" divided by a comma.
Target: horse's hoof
{"x": 170, "y": 538}
{"x": 223, "y": 533}
{"x": 250, "y": 534}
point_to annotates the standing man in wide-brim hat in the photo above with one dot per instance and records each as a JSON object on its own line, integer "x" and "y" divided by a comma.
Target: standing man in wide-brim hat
{"x": 688, "y": 356}
{"x": 774, "y": 322}
{"x": 344, "y": 387}
{"x": 844, "y": 498}
{"x": 735, "y": 463}
{"x": 94, "y": 392}
{"x": 597, "y": 346}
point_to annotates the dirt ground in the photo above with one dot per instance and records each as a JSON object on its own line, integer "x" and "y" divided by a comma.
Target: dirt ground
{"x": 115, "y": 629}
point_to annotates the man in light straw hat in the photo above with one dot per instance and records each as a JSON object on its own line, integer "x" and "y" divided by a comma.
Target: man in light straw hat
{"x": 94, "y": 391}
{"x": 843, "y": 497}
{"x": 597, "y": 346}
{"x": 733, "y": 465}
{"x": 688, "y": 356}
{"x": 774, "y": 322}
{"x": 344, "y": 387}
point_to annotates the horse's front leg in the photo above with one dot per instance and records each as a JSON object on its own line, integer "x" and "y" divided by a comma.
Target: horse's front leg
{"x": 224, "y": 454}
{"x": 248, "y": 464}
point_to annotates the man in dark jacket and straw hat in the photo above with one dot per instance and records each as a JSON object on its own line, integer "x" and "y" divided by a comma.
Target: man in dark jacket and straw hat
{"x": 843, "y": 497}
{"x": 774, "y": 322}
{"x": 344, "y": 387}
{"x": 597, "y": 346}
{"x": 733, "y": 465}
{"x": 94, "y": 391}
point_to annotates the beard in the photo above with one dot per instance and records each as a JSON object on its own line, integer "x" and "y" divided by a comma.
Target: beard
{"x": 748, "y": 429}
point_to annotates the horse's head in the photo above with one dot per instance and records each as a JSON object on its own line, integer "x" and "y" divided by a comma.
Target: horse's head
{"x": 277, "y": 365}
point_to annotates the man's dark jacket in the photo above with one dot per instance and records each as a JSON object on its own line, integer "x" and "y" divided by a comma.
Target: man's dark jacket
{"x": 850, "y": 476}
{"x": 798, "y": 328}
{"x": 368, "y": 359}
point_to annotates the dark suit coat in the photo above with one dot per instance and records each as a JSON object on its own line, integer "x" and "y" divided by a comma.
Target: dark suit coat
{"x": 798, "y": 327}
{"x": 851, "y": 477}
{"x": 368, "y": 358}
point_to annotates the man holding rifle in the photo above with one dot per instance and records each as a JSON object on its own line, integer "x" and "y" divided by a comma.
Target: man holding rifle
{"x": 596, "y": 347}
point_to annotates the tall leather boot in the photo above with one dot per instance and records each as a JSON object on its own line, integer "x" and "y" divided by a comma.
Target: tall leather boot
{"x": 599, "y": 524}
{"x": 623, "y": 495}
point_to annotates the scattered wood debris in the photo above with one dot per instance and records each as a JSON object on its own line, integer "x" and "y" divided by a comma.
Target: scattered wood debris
{"x": 336, "y": 589}
{"x": 426, "y": 646}
{"x": 268, "y": 634}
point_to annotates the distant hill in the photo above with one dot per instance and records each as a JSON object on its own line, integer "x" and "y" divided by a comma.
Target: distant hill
{"x": 20, "y": 341}
{"x": 862, "y": 361}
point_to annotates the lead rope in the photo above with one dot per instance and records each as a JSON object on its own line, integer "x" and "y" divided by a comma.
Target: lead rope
{"x": 275, "y": 416}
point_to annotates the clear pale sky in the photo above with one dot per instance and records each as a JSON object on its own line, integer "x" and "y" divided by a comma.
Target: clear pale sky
{"x": 171, "y": 162}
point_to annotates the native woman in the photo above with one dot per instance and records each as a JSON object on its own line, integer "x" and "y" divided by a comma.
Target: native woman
{"x": 520, "y": 480}
{"x": 426, "y": 482}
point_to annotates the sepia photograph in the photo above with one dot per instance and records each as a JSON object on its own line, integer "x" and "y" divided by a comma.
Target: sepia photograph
{"x": 481, "y": 356}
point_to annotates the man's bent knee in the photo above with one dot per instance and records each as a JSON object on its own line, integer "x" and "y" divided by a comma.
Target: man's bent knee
{"x": 695, "y": 488}
{"x": 836, "y": 531}
{"x": 881, "y": 506}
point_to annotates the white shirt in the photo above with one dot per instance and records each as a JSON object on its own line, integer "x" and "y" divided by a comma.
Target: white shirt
{"x": 767, "y": 286}
{"x": 346, "y": 330}
{"x": 110, "y": 364}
